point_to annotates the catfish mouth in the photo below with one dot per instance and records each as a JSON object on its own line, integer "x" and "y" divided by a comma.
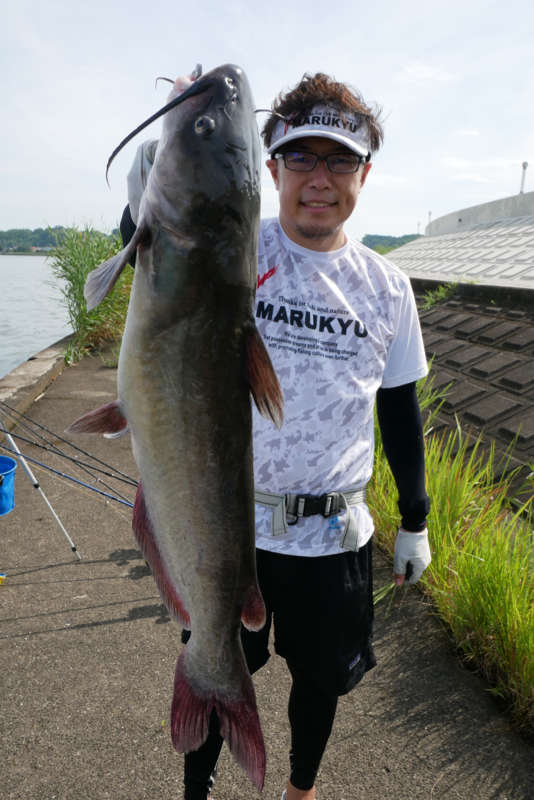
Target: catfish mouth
{"x": 197, "y": 87}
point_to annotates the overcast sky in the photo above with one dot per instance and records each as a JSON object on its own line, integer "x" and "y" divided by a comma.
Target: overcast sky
{"x": 455, "y": 81}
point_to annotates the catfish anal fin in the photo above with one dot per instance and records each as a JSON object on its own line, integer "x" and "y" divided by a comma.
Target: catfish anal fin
{"x": 262, "y": 379}
{"x": 144, "y": 534}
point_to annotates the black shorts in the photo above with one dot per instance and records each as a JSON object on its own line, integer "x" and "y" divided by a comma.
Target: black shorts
{"x": 322, "y": 609}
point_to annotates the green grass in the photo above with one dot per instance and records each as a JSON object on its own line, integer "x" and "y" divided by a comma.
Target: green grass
{"x": 79, "y": 252}
{"x": 481, "y": 578}
{"x": 434, "y": 296}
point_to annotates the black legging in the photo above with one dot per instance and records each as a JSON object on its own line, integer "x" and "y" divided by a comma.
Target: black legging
{"x": 311, "y": 716}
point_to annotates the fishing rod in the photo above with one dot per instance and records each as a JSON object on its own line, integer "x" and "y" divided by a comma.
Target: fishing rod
{"x": 17, "y": 416}
{"x": 89, "y": 467}
{"x": 15, "y": 450}
{"x": 22, "y": 421}
{"x": 54, "y": 449}
{"x": 35, "y": 484}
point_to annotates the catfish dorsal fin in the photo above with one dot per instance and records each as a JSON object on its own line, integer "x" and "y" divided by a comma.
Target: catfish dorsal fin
{"x": 262, "y": 379}
{"x": 101, "y": 280}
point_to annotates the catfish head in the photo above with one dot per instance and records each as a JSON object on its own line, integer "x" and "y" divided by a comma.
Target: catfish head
{"x": 199, "y": 215}
{"x": 207, "y": 165}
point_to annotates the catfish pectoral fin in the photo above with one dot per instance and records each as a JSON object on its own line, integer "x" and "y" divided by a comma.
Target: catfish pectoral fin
{"x": 262, "y": 379}
{"x": 101, "y": 280}
{"x": 238, "y": 717}
{"x": 144, "y": 534}
{"x": 105, "y": 419}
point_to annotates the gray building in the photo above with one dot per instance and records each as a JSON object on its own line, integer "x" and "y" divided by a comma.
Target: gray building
{"x": 481, "y": 338}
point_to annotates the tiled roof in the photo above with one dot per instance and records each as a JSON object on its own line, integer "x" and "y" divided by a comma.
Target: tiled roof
{"x": 485, "y": 355}
{"x": 498, "y": 253}
{"x": 481, "y": 342}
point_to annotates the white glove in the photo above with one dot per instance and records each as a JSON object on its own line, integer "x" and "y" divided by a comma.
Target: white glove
{"x": 412, "y": 548}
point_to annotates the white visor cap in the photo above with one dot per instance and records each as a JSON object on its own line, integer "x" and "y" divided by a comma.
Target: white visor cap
{"x": 347, "y": 128}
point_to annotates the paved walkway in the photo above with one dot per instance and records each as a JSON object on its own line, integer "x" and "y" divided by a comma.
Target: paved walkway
{"x": 88, "y": 653}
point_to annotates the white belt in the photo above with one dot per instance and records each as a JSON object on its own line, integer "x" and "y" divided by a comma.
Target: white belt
{"x": 289, "y": 508}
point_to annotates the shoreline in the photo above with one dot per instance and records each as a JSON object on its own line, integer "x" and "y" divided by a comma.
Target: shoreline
{"x": 41, "y": 253}
{"x": 26, "y": 383}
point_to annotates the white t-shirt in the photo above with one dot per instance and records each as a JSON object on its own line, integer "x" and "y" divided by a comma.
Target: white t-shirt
{"x": 338, "y": 326}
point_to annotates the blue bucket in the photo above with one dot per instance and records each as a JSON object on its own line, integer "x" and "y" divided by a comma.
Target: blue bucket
{"x": 7, "y": 484}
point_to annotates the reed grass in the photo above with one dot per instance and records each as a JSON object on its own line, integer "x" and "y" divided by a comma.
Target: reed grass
{"x": 481, "y": 578}
{"x": 76, "y": 254}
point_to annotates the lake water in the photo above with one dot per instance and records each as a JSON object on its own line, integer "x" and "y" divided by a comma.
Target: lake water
{"x": 32, "y": 315}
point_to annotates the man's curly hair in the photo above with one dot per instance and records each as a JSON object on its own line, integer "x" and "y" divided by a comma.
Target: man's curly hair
{"x": 321, "y": 89}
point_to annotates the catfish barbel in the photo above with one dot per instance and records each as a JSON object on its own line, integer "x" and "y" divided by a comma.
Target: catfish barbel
{"x": 190, "y": 358}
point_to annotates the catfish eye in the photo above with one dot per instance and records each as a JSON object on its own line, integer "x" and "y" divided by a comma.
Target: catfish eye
{"x": 204, "y": 126}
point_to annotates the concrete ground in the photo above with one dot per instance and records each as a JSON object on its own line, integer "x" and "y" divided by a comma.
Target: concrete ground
{"x": 88, "y": 654}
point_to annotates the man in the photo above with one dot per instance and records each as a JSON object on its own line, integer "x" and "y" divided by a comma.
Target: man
{"x": 342, "y": 331}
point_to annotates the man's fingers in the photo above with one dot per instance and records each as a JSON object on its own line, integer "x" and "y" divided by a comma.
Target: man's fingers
{"x": 399, "y": 578}
{"x": 411, "y": 557}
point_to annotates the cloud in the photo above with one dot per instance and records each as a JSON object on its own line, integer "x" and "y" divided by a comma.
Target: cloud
{"x": 493, "y": 164}
{"x": 468, "y": 132}
{"x": 387, "y": 180}
{"x": 470, "y": 177}
{"x": 423, "y": 74}
{"x": 481, "y": 171}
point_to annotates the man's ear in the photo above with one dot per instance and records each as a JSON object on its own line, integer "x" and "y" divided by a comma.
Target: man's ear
{"x": 272, "y": 166}
{"x": 365, "y": 172}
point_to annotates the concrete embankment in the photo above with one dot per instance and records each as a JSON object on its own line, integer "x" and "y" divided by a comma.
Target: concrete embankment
{"x": 25, "y": 383}
{"x": 87, "y": 662}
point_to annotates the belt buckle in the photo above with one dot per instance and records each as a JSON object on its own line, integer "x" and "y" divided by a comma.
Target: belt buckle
{"x": 298, "y": 507}
{"x": 291, "y": 518}
{"x": 301, "y": 504}
{"x": 331, "y": 507}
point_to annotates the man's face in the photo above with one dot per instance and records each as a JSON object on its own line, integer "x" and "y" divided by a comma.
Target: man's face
{"x": 315, "y": 205}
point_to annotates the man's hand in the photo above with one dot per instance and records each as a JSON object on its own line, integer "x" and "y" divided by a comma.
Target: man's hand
{"x": 412, "y": 556}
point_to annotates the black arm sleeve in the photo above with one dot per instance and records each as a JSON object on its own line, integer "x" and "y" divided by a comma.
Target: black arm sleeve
{"x": 127, "y": 228}
{"x": 401, "y": 427}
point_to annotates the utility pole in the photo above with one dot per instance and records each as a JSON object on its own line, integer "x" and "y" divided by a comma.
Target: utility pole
{"x": 524, "y": 165}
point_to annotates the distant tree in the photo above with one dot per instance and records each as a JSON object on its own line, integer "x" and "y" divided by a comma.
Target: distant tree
{"x": 383, "y": 244}
{"x": 22, "y": 240}
{"x": 382, "y": 249}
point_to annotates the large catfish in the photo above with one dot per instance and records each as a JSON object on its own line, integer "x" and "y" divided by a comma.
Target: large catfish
{"x": 190, "y": 356}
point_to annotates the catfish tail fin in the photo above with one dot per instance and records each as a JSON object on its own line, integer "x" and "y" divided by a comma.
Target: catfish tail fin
{"x": 238, "y": 718}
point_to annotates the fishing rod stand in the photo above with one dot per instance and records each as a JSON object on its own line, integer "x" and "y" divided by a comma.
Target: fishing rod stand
{"x": 35, "y": 484}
